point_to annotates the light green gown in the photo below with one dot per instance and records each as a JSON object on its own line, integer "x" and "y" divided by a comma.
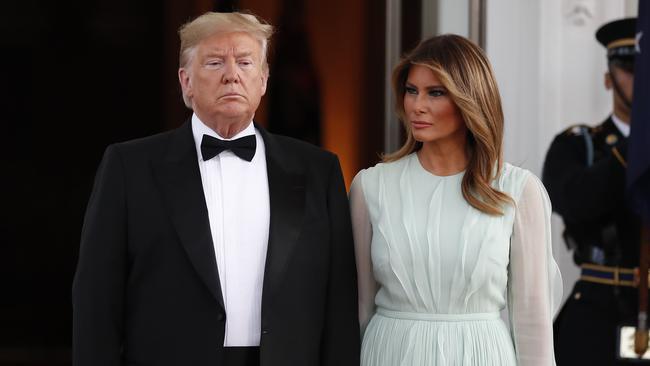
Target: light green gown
{"x": 434, "y": 273}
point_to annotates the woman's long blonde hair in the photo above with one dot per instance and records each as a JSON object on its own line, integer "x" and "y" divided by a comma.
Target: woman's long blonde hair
{"x": 464, "y": 70}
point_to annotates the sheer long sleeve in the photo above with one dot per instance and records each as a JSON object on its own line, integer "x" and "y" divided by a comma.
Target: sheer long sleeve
{"x": 535, "y": 284}
{"x": 362, "y": 233}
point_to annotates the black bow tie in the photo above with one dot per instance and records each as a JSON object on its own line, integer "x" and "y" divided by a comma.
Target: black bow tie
{"x": 244, "y": 147}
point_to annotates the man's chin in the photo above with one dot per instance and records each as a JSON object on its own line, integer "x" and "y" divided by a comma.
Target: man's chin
{"x": 233, "y": 113}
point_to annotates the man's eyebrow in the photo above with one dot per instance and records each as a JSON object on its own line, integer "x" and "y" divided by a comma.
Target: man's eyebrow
{"x": 243, "y": 53}
{"x": 222, "y": 53}
{"x": 218, "y": 53}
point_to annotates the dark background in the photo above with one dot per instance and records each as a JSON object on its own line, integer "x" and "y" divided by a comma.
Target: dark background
{"x": 75, "y": 77}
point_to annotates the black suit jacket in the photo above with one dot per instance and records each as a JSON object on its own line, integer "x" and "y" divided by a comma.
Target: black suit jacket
{"x": 147, "y": 292}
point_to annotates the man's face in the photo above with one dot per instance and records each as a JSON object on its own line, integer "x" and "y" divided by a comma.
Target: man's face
{"x": 625, "y": 81}
{"x": 225, "y": 79}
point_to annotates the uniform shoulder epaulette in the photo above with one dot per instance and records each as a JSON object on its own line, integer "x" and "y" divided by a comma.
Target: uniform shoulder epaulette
{"x": 586, "y": 133}
{"x": 579, "y": 129}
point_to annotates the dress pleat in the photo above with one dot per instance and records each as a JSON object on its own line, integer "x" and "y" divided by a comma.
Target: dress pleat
{"x": 442, "y": 270}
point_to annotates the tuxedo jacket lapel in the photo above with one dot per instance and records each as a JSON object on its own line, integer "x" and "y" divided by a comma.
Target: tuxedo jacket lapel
{"x": 287, "y": 200}
{"x": 179, "y": 179}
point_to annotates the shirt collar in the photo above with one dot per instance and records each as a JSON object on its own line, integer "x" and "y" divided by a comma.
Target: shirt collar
{"x": 622, "y": 126}
{"x": 199, "y": 129}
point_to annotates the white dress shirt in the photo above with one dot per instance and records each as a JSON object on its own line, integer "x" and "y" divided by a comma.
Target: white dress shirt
{"x": 622, "y": 126}
{"x": 237, "y": 197}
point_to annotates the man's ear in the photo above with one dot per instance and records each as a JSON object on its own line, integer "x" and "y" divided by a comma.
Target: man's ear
{"x": 184, "y": 80}
{"x": 608, "y": 81}
{"x": 265, "y": 80}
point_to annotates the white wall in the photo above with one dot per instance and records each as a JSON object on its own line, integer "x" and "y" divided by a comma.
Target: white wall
{"x": 550, "y": 71}
{"x": 445, "y": 16}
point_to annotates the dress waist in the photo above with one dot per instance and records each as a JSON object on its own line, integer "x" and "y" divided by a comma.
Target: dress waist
{"x": 437, "y": 317}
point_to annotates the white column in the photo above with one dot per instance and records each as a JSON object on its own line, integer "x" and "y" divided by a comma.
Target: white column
{"x": 392, "y": 54}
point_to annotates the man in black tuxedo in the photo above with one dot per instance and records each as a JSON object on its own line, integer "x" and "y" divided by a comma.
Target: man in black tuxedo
{"x": 217, "y": 243}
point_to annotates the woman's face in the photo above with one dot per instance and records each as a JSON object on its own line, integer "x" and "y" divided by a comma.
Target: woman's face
{"x": 429, "y": 110}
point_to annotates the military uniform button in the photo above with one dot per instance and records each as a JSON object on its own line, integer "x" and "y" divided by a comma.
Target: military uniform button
{"x": 611, "y": 139}
{"x": 577, "y": 295}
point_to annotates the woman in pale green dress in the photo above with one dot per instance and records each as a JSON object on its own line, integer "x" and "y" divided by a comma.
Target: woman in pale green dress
{"x": 446, "y": 234}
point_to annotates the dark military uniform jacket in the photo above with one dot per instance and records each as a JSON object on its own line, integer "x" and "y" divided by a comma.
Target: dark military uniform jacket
{"x": 584, "y": 174}
{"x": 587, "y": 188}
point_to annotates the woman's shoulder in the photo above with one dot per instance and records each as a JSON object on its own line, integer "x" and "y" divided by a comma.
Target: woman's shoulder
{"x": 371, "y": 178}
{"x": 382, "y": 168}
{"x": 510, "y": 171}
{"x": 513, "y": 179}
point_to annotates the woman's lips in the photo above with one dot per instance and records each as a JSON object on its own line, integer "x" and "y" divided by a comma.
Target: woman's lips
{"x": 420, "y": 124}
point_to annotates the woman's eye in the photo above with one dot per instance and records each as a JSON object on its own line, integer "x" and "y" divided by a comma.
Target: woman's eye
{"x": 436, "y": 93}
{"x": 411, "y": 90}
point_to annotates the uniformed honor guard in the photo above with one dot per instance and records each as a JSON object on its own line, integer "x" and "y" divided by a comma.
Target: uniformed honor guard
{"x": 584, "y": 173}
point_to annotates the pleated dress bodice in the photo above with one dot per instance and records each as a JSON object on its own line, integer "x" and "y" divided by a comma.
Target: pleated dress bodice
{"x": 431, "y": 251}
{"x": 441, "y": 268}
